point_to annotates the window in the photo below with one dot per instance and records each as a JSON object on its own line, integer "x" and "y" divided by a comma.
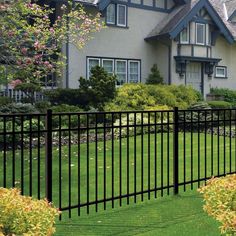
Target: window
{"x": 92, "y": 62}
{"x": 111, "y": 14}
{"x": 108, "y": 65}
{"x": 121, "y": 71}
{"x": 200, "y": 34}
{"x": 134, "y": 71}
{"x": 126, "y": 71}
{"x": 116, "y": 15}
{"x": 184, "y": 36}
{"x": 121, "y": 15}
{"x": 221, "y": 72}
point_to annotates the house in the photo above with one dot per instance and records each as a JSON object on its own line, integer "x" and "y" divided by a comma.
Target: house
{"x": 191, "y": 41}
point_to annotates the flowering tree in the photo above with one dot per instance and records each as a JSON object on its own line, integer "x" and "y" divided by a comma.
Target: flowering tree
{"x": 30, "y": 44}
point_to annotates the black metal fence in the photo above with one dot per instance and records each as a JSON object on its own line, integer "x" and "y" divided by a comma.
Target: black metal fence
{"x": 88, "y": 161}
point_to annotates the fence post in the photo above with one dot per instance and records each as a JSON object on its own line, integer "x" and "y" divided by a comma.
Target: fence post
{"x": 176, "y": 150}
{"x": 48, "y": 159}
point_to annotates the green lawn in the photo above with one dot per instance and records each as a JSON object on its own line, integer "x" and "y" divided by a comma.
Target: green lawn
{"x": 195, "y": 157}
{"x": 167, "y": 216}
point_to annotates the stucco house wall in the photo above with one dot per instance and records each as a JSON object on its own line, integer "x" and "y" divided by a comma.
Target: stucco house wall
{"x": 123, "y": 43}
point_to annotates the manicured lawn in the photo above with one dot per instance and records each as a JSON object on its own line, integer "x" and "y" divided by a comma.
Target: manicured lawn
{"x": 122, "y": 170}
{"x": 167, "y": 216}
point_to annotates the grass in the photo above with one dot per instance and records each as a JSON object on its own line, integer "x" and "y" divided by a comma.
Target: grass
{"x": 170, "y": 216}
{"x": 202, "y": 156}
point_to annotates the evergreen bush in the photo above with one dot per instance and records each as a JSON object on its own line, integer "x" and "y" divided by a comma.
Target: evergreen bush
{"x": 155, "y": 76}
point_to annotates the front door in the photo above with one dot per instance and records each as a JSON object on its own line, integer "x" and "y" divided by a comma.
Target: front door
{"x": 194, "y": 75}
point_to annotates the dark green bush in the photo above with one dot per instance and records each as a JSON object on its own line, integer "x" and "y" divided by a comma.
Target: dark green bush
{"x": 22, "y": 108}
{"x": 93, "y": 92}
{"x": 42, "y": 106}
{"x": 155, "y": 76}
{"x": 63, "y": 96}
{"x": 99, "y": 89}
{"x": 5, "y": 101}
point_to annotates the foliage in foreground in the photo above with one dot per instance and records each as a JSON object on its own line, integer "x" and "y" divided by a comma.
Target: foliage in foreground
{"x": 220, "y": 202}
{"x": 21, "y": 215}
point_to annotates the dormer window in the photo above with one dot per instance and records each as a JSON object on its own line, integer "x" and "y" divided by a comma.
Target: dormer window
{"x": 184, "y": 36}
{"x": 116, "y": 15}
{"x": 111, "y": 14}
{"x": 200, "y": 34}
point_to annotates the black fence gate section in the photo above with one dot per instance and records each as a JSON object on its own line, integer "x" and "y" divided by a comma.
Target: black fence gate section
{"x": 100, "y": 160}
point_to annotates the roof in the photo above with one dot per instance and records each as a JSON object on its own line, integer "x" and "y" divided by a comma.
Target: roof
{"x": 230, "y": 7}
{"x": 179, "y": 18}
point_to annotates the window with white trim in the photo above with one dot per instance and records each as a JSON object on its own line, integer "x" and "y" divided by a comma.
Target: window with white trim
{"x": 184, "y": 36}
{"x": 116, "y": 14}
{"x": 221, "y": 72}
{"x": 92, "y": 62}
{"x": 126, "y": 70}
{"x": 200, "y": 33}
{"x": 121, "y": 71}
{"x": 111, "y": 14}
{"x": 108, "y": 65}
{"x": 121, "y": 15}
{"x": 134, "y": 71}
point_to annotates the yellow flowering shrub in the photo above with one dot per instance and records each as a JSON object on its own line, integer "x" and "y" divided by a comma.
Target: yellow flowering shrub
{"x": 22, "y": 215}
{"x": 220, "y": 202}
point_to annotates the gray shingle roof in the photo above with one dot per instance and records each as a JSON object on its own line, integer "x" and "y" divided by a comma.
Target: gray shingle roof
{"x": 180, "y": 12}
{"x": 220, "y": 9}
{"x": 230, "y": 6}
{"x": 172, "y": 19}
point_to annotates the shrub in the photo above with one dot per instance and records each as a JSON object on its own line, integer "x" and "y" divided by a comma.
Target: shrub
{"x": 5, "y": 101}
{"x": 28, "y": 125}
{"x": 93, "y": 92}
{"x": 21, "y": 215}
{"x": 152, "y": 120}
{"x": 18, "y": 108}
{"x": 64, "y": 108}
{"x": 141, "y": 96}
{"x": 42, "y": 106}
{"x": 155, "y": 76}
{"x": 220, "y": 202}
{"x": 219, "y": 104}
{"x": 63, "y": 96}
{"x": 195, "y": 120}
{"x": 99, "y": 88}
{"x": 228, "y": 94}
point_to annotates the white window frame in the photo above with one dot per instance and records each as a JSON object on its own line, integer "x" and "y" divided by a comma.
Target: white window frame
{"x": 117, "y": 15}
{"x": 120, "y": 60}
{"x": 219, "y": 75}
{"x": 181, "y": 33}
{"x": 109, "y": 22}
{"x": 129, "y": 70}
{"x": 113, "y": 64}
{"x": 204, "y": 34}
{"x": 92, "y": 58}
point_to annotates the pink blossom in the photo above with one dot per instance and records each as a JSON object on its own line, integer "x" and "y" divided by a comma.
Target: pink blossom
{"x": 16, "y": 82}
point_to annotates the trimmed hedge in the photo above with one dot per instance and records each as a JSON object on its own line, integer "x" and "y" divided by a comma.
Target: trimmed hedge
{"x": 219, "y": 104}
